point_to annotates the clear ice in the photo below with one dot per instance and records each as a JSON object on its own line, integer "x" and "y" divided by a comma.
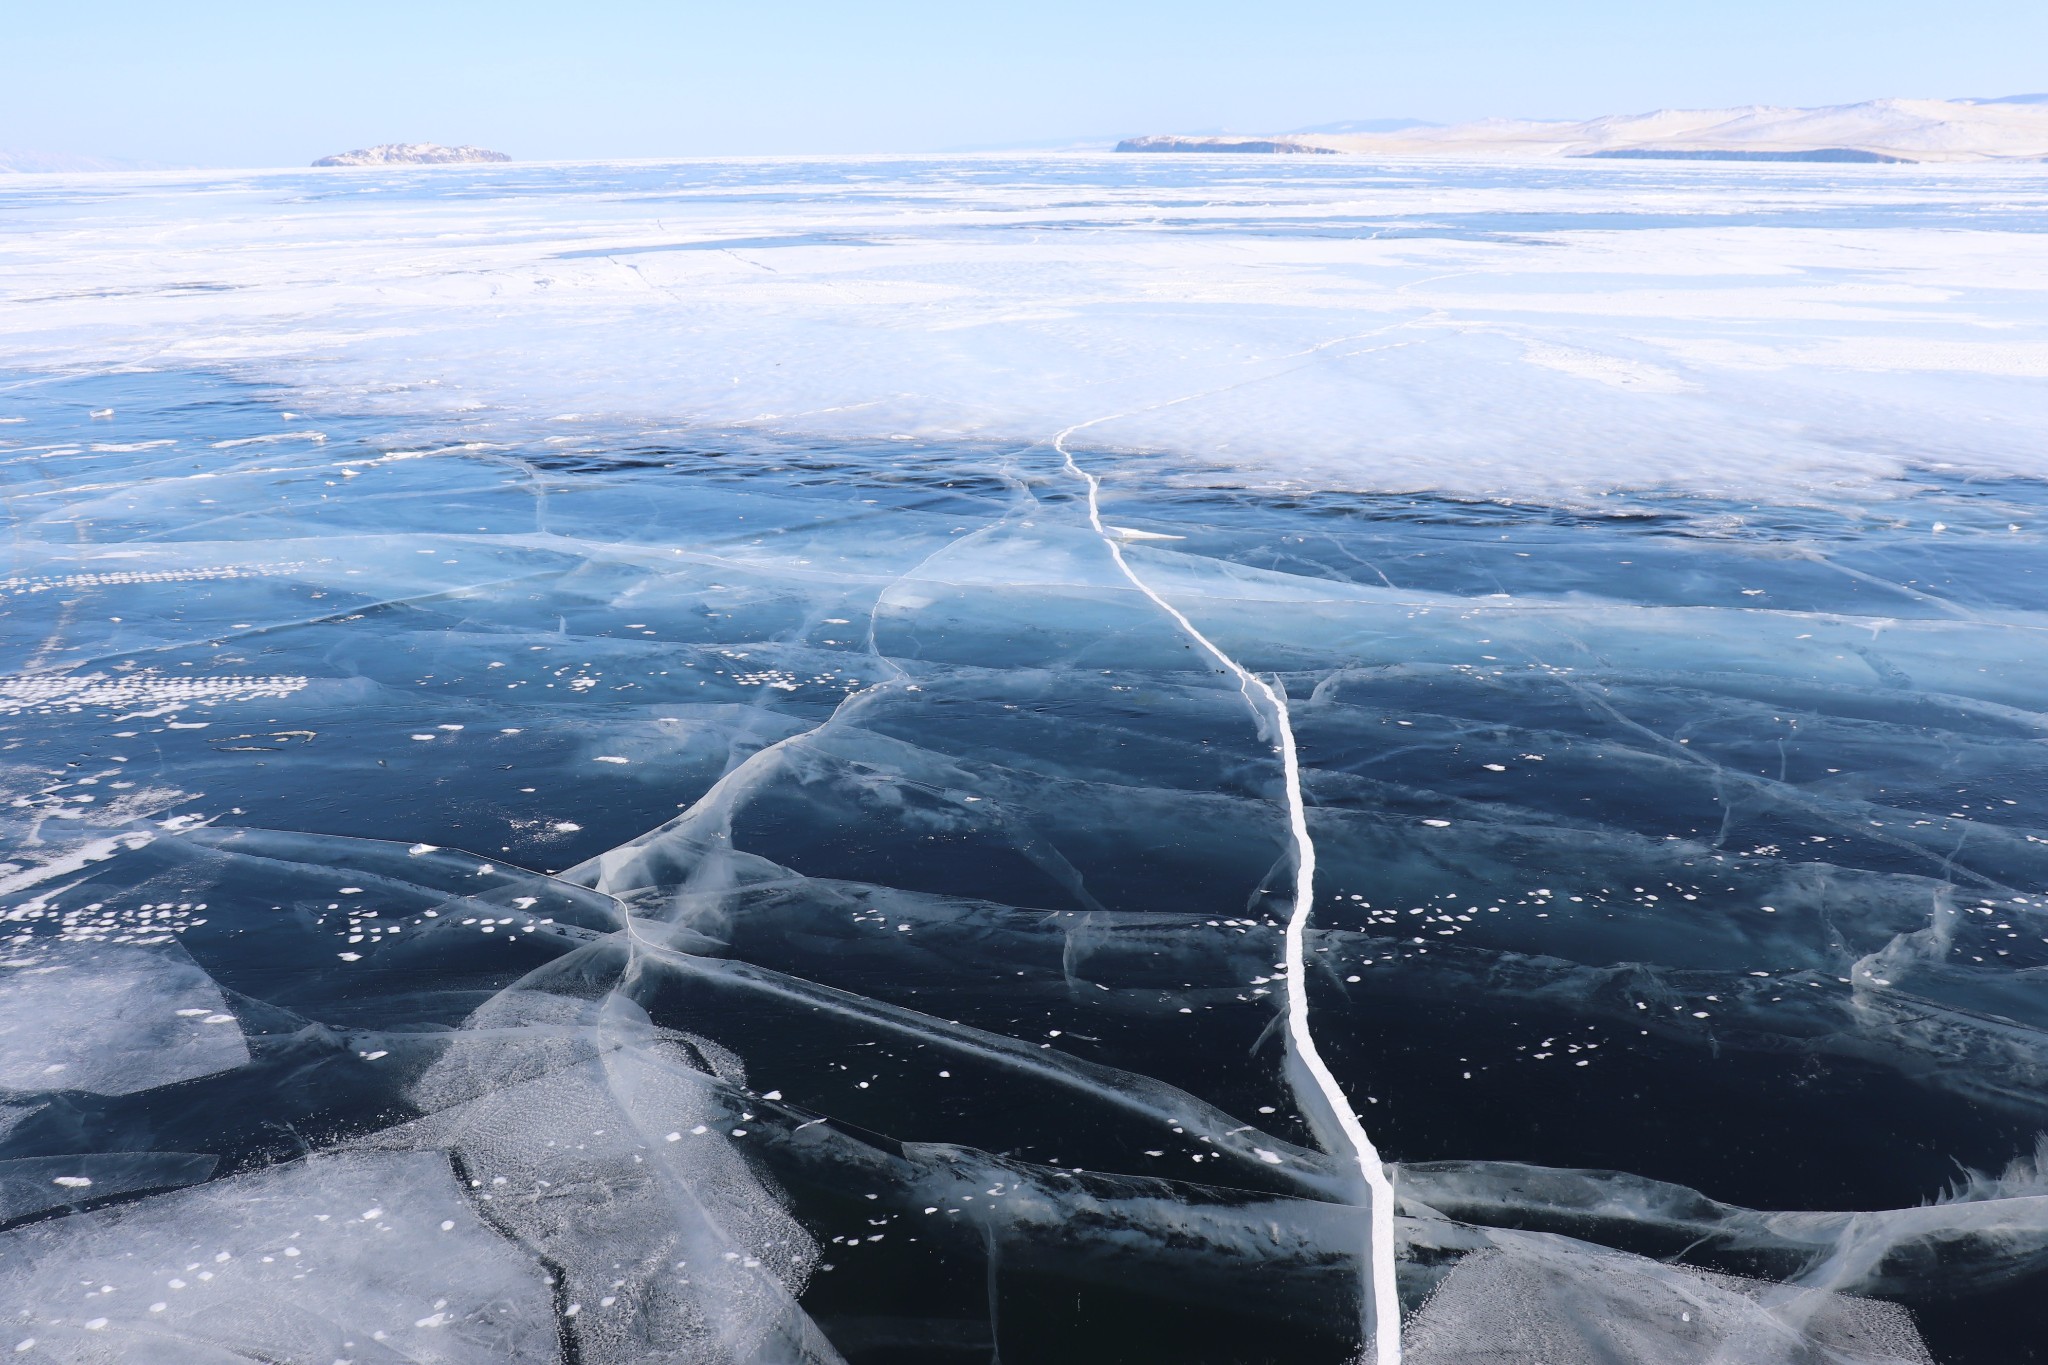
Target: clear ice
{"x": 1025, "y": 760}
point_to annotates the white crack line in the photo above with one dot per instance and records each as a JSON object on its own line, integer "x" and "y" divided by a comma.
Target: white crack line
{"x": 1380, "y": 1281}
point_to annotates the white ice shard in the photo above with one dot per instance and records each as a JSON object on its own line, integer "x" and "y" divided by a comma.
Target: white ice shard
{"x": 1536, "y": 1300}
{"x": 112, "y": 1020}
{"x": 603, "y": 1145}
{"x": 351, "y": 1256}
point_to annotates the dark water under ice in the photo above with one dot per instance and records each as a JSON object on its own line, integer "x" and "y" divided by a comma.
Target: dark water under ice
{"x": 602, "y": 896}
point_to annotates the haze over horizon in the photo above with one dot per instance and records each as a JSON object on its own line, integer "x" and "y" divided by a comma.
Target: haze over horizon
{"x": 249, "y": 85}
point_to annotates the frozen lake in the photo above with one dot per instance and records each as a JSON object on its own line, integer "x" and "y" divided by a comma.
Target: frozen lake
{"x": 1192, "y": 760}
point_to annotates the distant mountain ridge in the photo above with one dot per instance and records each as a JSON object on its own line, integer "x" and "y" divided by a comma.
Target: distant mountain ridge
{"x": 45, "y": 163}
{"x": 412, "y": 154}
{"x": 2011, "y": 128}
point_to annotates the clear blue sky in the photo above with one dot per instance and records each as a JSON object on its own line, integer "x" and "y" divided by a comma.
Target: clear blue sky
{"x": 278, "y": 83}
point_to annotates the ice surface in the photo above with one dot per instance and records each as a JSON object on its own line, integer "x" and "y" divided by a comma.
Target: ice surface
{"x": 32, "y": 1185}
{"x": 561, "y": 1111}
{"x": 1540, "y": 1304}
{"x": 344, "y": 1256}
{"x": 111, "y": 1020}
{"x": 854, "y": 893}
{"x": 1552, "y": 331}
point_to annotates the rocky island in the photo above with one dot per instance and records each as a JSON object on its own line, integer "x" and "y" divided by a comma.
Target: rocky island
{"x": 411, "y": 154}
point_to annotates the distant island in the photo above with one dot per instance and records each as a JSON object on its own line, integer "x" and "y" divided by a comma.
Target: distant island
{"x": 1168, "y": 142}
{"x": 2014, "y": 128}
{"x": 411, "y": 154}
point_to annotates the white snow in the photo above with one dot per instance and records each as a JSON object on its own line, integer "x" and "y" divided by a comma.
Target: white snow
{"x": 1753, "y": 330}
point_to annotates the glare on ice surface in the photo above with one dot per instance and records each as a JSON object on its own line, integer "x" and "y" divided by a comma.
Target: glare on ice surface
{"x": 571, "y": 736}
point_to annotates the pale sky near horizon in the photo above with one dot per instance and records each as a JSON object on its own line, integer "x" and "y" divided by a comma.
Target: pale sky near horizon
{"x": 246, "y": 84}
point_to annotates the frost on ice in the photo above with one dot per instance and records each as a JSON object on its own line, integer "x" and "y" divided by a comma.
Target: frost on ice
{"x": 603, "y": 862}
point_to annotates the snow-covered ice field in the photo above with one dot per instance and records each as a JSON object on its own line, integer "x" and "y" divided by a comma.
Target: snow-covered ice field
{"x": 1513, "y": 329}
{"x": 1193, "y": 759}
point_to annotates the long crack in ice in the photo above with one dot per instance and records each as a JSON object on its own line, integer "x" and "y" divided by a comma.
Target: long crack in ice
{"x": 1327, "y": 1096}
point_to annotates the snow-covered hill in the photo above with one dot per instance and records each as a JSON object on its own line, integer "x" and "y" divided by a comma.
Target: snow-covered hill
{"x": 2010, "y": 129}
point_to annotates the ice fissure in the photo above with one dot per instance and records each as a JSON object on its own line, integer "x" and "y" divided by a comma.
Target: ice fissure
{"x": 1323, "y": 1099}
